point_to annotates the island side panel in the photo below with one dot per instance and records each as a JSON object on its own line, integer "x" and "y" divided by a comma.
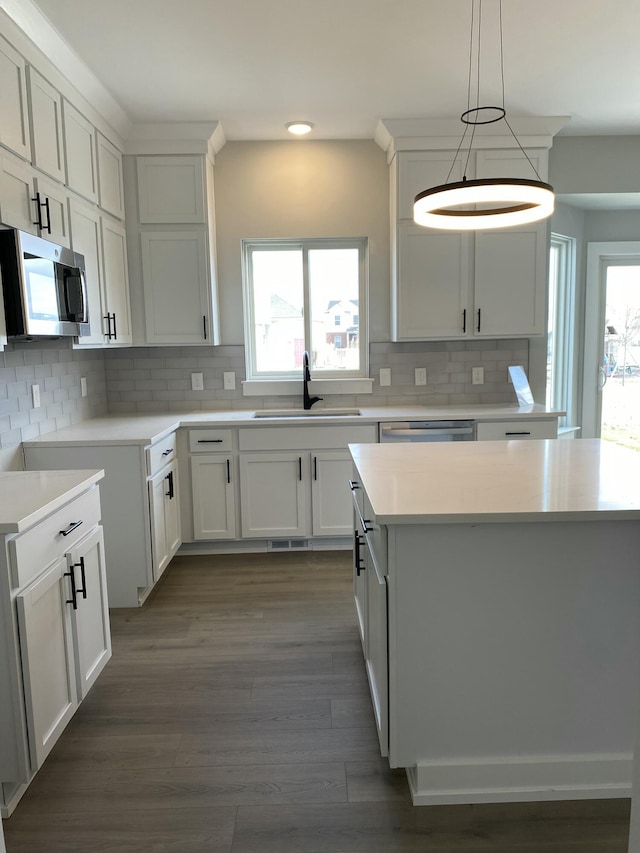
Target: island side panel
{"x": 513, "y": 659}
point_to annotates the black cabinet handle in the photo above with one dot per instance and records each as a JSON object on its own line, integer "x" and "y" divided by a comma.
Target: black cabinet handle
{"x": 47, "y": 227}
{"x": 167, "y": 452}
{"x": 83, "y": 588}
{"x": 38, "y": 221}
{"x": 353, "y": 485}
{"x": 74, "y": 597}
{"x": 300, "y": 468}
{"x": 315, "y": 467}
{"x": 517, "y": 433}
{"x": 479, "y": 319}
{"x": 357, "y": 559}
{"x": 73, "y": 526}
{"x": 169, "y": 477}
{"x": 228, "y": 470}
{"x": 109, "y": 334}
{"x": 210, "y": 440}
{"x": 365, "y": 522}
{"x": 204, "y": 326}
{"x": 115, "y": 329}
{"x": 464, "y": 320}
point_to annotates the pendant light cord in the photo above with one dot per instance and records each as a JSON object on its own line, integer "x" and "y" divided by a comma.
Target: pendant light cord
{"x": 477, "y": 104}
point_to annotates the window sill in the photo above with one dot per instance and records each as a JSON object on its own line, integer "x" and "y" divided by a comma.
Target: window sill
{"x": 292, "y": 387}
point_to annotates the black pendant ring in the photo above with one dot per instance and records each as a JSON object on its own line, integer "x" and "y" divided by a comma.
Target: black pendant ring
{"x": 501, "y": 113}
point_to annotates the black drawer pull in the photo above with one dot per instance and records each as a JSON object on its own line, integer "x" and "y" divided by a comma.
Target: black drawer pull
{"x": 70, "y": 528}
{"x": 74, "y": 593}
{"x": 210, "y": 440}
{"x": 517, "y": 433}
{"x": 353, "y": 485}
{"x": 167, "y": 452}
{"x": 83, "y": 588}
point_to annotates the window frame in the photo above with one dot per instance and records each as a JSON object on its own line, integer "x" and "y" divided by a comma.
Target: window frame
{"x": 304, "y": 245}
{"x": 563, "y": 362}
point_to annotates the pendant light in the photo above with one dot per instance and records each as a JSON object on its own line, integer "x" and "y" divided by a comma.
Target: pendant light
{"x": 468, "y": 205}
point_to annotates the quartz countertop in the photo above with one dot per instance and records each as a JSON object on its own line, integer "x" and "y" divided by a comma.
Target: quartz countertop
{"x": 147, "y": 429}
{"x": 26, "y": 497}
{"x": 499, "y": 481}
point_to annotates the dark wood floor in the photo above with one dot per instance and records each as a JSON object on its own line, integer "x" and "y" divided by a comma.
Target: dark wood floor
{"x": 235, "y": 717}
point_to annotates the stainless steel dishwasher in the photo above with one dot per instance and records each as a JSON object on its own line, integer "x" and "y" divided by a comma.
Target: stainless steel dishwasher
{"x": 419, "y": 431}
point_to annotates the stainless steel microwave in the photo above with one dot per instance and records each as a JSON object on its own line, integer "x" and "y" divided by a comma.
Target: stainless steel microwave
{"x": 44, "y": 287}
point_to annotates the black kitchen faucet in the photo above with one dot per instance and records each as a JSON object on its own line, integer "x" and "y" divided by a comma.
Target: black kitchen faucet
{"x": 307, "y": 400}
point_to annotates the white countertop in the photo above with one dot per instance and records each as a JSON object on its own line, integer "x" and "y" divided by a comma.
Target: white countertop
{"x": 498, "y": 481}
{"x": 26, "y": 497}
{"x": 147, "y": 429}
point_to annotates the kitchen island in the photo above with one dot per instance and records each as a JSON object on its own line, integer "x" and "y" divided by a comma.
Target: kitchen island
{"x": 497, "y": 588}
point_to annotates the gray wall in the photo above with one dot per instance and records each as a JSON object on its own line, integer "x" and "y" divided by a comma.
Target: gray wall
{"x": 301, "y": 189}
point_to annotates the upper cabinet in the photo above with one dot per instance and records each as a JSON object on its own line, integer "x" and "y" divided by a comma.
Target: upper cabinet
{"x": 45, "y": 114}
{"x": 456, "y": 284}
{"x": 110, "y": 182}
{"x": 172, "y": 249}
{"x": 80, "y": 153}
{"x": 14, "y": 116}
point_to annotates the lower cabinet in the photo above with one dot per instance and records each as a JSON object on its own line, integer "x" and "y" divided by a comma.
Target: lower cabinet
{"x": 58, "y": 639}
{"x": 520, "y": 429}
{"x": 165, "y": 517}
{"x": 274, "y": 489}
{"x": 213, "y": 492}
{"x": 141, "y": 520}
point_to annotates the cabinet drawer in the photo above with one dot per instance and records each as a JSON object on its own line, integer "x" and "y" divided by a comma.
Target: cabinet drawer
{"x": 160, "y": 454}
{"x": 36, "y": 549}
{"x": 508, "y": 430}
{"x": 312, "y": 437}
{"x": 209, "y": 440}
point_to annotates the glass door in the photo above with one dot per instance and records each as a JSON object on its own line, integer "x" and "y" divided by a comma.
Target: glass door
{"x": 611, "y": 407}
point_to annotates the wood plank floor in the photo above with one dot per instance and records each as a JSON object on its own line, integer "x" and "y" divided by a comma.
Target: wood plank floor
{"x": 235, "y": 717}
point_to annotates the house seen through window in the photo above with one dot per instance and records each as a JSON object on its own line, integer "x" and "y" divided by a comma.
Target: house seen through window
{"x": 304, "y": 295}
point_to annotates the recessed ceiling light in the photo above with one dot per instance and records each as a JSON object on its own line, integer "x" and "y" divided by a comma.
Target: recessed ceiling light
{"x": 299, "y": 128}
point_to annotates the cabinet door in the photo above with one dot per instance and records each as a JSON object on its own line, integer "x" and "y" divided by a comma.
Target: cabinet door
{"x": 377, "y": 648}
{"x": 91, "y": 633}
{"x": 273, "y": 494}
{"x": 84, "y": 224}
{"x": 46, "y": 648}
{"x": 80, "y": 152}
{"x": 213, "y": 490}
{"x": 116, "y": 282}
{"x": 432, "y": 284}
{"x": 331, "y": 502}
{"x": 510, "y": 281}
{"x": 45, "y": 112}
{"x": 165, "y": 518}
{"x": 54, "y": 211}
{"x": 171, "y": 190}
{"x": 175, "y": 277}
{"x": 14, "y": 118}
{"x": 110, "y": 182}
{"x": 360, "y": 568}
{"x": 17, "y": 205}
{"x": 419, "y": 170}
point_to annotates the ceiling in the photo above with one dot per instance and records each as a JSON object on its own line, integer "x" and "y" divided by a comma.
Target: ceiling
{"x": 344, "y": 64}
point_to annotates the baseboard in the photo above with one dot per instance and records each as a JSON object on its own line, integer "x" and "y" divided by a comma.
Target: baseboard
{"x": 7, "y": 808}
{"x": 522, "y": 779}
{"x": 258, "y": 546}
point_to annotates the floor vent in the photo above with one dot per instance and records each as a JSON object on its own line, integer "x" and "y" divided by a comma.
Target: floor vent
{"x": 288, "y": 545}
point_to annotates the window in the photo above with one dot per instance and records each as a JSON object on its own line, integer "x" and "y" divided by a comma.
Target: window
{"x": 297, "y": 293}
{"x": 561, "y": 325}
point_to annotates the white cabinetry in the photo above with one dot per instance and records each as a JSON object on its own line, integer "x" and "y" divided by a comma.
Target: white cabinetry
{"x": 110, "y": 180}
{"x": 31, "y": 202}
{"x": 520, "y": 429}
{"x": 213, "y": 489}
{"x": 457, "y": 284}
{"x": 58, "y": 640}
{"x": 14, "y": 116}
{"x": 173, "y": 249}
{"x": 129, "y": 521}
{"x": 80, "y": 153}
{"x": 165, "y": 517}
{"x": 308, "y": 468}
{"x": 45, "y": 113}
{"x": 116, "y": 308}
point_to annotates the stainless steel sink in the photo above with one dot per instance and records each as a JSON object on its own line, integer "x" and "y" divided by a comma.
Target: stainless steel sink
{"x": 307, "y": 413}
